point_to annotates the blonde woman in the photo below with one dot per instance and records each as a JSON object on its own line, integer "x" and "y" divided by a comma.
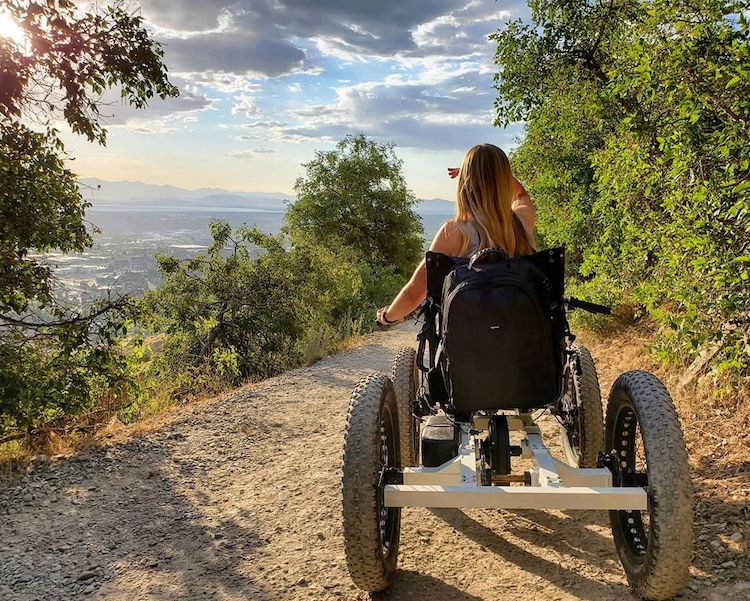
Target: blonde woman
{"x": 492, "y": 210}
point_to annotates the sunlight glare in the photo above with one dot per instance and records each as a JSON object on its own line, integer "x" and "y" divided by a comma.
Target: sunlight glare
{"x": 10, "y": 29}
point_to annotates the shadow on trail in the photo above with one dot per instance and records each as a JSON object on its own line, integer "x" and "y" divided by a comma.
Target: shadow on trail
{"x": 541, "y": 528}
{"x": 550, "y": 536}
{"x": 129, "y": 515}
{"x": 413, "y": 585}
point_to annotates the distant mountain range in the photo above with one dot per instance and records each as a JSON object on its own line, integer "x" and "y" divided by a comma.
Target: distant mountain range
{"x": 137, "y": 194}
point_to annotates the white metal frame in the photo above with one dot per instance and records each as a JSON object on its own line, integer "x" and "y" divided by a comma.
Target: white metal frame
{"x": 554, "y": 484}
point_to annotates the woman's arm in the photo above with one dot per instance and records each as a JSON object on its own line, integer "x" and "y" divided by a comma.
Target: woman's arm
{"x": 447, "y": 241}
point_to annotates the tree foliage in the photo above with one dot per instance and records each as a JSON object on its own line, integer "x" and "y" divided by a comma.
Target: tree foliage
{"x": 246, "y": 308}
{"x": 355, "y": 197}
{"x": 55, "y": 358}
{"x": 638, "y": 151}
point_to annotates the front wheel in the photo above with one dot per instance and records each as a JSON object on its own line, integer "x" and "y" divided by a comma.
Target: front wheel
{"x": 371, "y": 446}
{"x": 405, "y": 377}
{"x": 582, "y": 435}
{"x": 647, "y": 449}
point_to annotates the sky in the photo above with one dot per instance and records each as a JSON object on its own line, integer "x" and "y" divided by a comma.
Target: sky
{"x": 266, "y": 83}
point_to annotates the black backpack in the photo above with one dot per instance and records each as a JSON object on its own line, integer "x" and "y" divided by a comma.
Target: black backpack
{"x": 500, "y": 333}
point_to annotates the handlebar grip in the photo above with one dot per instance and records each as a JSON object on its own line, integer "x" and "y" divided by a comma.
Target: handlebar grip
{"x": 384, "y": 326}
{"x": 575, "y": 303}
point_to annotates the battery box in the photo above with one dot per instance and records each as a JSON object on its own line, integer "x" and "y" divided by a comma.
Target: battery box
{"x": 440, "y": 440}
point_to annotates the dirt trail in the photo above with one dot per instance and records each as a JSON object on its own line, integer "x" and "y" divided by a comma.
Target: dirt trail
{"x": 238, "y": 498}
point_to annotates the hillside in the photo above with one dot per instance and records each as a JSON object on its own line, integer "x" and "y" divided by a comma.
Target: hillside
{"x": 133, "y": 195}
{"x": 227, "y": 500}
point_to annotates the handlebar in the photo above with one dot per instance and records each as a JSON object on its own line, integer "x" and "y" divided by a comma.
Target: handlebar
{"x": 574, "y": 303}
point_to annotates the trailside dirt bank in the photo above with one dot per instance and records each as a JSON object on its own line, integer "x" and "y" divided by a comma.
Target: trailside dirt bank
{"x": 239, "y": 498}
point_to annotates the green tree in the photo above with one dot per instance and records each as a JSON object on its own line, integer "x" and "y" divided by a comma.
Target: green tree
{"x": 53, "y": 358}
{"x": 249, "y": 307}
{"x": 355, "y": 197}
{"x": 638, "y": 115}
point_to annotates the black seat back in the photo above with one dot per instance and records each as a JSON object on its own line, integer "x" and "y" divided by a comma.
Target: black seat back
{"x": 473, "y": 363}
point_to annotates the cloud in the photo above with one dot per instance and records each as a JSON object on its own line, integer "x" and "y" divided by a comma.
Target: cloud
{"x": 449, "y": 114}
{"x": 233, "y": 52}
{"x": 185, "y": 16}
{"x": 155, "y": 118}
{"x": 228, "y": 83}
{"x": 269, "y": 38}
{"x": 251, "y": 153}
{"x": 245, "y": 105}
{"x": 263, "y": 124}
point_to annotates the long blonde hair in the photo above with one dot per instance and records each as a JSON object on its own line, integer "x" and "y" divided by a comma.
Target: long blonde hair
{"x": 484, "y": 199}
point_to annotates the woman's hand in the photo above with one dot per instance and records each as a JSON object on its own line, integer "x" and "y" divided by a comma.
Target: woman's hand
{"x": 453, "y": 172}
{"x": 383, "y": 320}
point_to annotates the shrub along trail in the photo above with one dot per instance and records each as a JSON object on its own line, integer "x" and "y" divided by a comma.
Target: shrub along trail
{"x": 238, "y": 498}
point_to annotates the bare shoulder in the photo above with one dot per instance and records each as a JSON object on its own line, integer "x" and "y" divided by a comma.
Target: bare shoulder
{"x": 448, "y": 239}
{"x": 525, "y": 209}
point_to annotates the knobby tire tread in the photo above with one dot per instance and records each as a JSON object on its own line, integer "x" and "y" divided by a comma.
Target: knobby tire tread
{"x": 403, "y": 375}
{"x": 370, "y": 570}
{"x": 590, "y": 407}
{"x": 669, "y": 553}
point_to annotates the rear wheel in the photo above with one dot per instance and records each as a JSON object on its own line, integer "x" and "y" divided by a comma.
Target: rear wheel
{"x": 582, "y": 436}
{"x": 371, "y": 446}
{"x": 647, "y": 449}
{"x": 405, "y": 377}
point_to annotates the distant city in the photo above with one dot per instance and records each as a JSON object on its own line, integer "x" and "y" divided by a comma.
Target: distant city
{"x": 139, "y": 221}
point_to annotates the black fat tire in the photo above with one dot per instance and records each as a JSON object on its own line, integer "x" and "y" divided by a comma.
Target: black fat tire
{"x": 405, "y": 377}
{"x": 372, "y": 404}
{"x": 591, "y": 415}
{"x": 660, "y": 571}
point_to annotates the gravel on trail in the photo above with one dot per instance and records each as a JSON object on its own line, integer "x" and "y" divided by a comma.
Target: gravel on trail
{"x": 239, "y": 498}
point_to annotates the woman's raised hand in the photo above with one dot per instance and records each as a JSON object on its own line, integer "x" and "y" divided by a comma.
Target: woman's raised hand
{"x": 453, "y": 172}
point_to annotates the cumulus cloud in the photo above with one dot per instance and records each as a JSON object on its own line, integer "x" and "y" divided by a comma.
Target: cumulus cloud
{"x": 450, "y": 114}
{"x": 245, "y": 105}
{"x": 267, "y": 37}
{"x": 234, "y": 52}
{"x": 185, "y": 16}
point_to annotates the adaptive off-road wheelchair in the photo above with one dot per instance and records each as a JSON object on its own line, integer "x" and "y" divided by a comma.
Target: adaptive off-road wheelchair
{"x": 495, "y": 347}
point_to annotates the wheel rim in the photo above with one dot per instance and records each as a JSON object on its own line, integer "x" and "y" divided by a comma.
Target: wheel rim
{"x": 632, "y": 470}
{"x": 571, "y": 419}
{"x": 387, "y": 516}
{"x": 414, "y": 422}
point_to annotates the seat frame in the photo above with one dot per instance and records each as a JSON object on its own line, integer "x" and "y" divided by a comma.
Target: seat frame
{"x": 552, "y": 484}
